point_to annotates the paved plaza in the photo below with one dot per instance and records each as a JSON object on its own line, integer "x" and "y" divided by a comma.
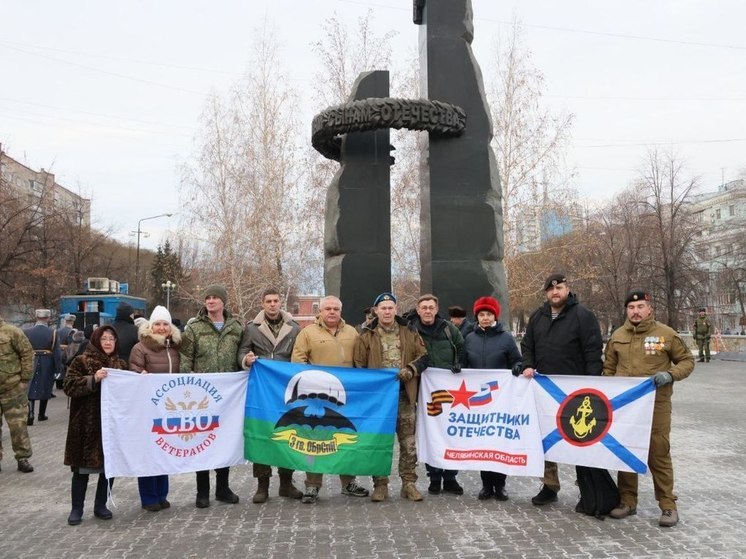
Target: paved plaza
{"x": 709, "y": 452}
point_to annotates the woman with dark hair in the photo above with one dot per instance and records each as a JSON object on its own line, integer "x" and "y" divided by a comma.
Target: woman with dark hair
{"x": 84, "y": 451}
{"x": 488, "y": 346}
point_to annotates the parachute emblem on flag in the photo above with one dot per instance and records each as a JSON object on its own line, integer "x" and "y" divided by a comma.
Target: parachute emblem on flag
{"x": 315, "y": 429}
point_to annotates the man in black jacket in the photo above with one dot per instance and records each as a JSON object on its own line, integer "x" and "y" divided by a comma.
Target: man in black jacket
{"x": 126, "y": 330}
{"x": 562, "y": 338}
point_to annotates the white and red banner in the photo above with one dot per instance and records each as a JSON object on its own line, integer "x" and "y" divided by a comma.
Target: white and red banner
{"x": 484, "y": 419}
{"x": 479, "y": 419}
{"x": 157, "y": 424}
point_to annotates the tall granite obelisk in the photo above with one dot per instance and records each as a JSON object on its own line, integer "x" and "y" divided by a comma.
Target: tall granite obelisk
{"x": 357, "y": 234}
{"x": 461, "y": 254}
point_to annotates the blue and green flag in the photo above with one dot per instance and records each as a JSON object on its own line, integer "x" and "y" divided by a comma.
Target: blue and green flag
{"x": 320, "y": 419}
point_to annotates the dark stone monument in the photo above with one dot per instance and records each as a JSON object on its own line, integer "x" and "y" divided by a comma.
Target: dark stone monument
{"x": 357, "y": 233}
{"x": 461, "y": 219}
{"x": 461, "y": 224}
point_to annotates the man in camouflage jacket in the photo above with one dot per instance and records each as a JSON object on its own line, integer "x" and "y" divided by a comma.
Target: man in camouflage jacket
{"x": 210, "y": 345}
{"x": 388, "y": 341}
{"x": 16, "y": 368}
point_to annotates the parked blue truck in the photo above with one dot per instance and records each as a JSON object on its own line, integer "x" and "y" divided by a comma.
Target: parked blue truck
{"x": 97, "y": 303}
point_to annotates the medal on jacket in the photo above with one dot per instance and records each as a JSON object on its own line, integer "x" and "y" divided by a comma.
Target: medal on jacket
{"x": 654, "y": 344}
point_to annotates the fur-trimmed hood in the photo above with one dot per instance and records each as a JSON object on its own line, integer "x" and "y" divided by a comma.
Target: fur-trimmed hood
{"x": 155, "y": 342}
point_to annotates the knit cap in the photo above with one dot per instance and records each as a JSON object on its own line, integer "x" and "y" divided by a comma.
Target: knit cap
{"x": 160, "y": 313}
{"x": 216, "y": 291}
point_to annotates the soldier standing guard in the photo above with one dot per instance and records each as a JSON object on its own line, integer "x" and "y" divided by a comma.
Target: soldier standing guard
{"x": 16, "y": 361}
{"x": 702, "y": 333}
{"x": 47, "y": 363}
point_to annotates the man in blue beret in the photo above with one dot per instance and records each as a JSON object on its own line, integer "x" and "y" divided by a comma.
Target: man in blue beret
{"x": 390, "y": 342}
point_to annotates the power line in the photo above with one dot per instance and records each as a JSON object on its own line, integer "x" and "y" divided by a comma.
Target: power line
{"x": 46, "y": 122}
{"x": 100, "y": 115}
{"x": 657, "y": 99}
{"x": 120, "y": 59}
{"x": 572, "y": 30}
{"x": 658, "y": 143}
{"x": 107, "y": 72}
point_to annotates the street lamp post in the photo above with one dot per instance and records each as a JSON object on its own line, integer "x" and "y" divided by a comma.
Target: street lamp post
{"x": 137, "y": 255}
{"x": 169, "y": 286}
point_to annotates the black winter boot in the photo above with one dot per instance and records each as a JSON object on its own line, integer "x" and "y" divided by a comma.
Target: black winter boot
{"x": 43, "y": 410}
{"x": 203, "y": 489}
{"x": 222, "y": 490}
{"x": 102, "y": 494}
{"x": 78, "y": 489}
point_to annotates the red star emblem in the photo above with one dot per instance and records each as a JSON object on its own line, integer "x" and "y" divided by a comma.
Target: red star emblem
{"x": 461, "y": 396}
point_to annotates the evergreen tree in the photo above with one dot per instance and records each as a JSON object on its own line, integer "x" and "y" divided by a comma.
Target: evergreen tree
{"x": 166, "y": 267}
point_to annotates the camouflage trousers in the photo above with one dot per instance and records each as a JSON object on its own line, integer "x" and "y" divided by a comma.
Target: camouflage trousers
{"x": 14, "y": 406}
{"x": 405, "y": 426}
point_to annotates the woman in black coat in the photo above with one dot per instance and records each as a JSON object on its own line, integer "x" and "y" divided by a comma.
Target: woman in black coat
{"x": 488, "y": 346}
{"x": 84, "y": 451}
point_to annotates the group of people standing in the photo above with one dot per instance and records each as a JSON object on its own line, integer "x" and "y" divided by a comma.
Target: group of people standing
{"x": 562, "y": 337}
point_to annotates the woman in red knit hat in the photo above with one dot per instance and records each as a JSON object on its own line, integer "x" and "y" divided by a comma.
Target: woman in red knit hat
{"x": 489, "y": 346}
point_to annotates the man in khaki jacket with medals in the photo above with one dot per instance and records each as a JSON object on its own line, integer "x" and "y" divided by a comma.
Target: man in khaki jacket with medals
{"x": 643, "y": 347}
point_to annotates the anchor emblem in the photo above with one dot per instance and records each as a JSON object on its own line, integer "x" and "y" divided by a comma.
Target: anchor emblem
{"x": 582, "y": 427}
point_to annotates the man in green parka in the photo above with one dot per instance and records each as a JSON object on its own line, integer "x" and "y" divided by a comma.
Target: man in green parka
{"x": 210, "y": 345}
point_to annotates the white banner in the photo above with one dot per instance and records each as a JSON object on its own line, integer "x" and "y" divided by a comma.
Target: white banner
{"x": 157, "y": 424}
{"x": 603, "y": 422}
{"x": 478, "y": 419}
{"x": 485, "y": 419}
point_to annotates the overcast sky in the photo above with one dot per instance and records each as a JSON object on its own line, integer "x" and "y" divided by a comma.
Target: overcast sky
{"x": 107, "y": 95}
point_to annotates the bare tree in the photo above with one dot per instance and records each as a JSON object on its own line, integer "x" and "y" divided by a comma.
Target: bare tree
{"x": 345, "y": 53}
{"x": 241, "y": 194}
{"x": 669, "y": 230}
{"x": 529, "y": 140}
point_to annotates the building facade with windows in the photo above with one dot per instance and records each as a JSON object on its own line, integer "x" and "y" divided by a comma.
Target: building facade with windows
{"x": 39, "y": 190}
{"x": 720, "y": 246}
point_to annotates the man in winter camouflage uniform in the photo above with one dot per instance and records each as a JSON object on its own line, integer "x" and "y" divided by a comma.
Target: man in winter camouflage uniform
{"x": 16, "y": 368}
